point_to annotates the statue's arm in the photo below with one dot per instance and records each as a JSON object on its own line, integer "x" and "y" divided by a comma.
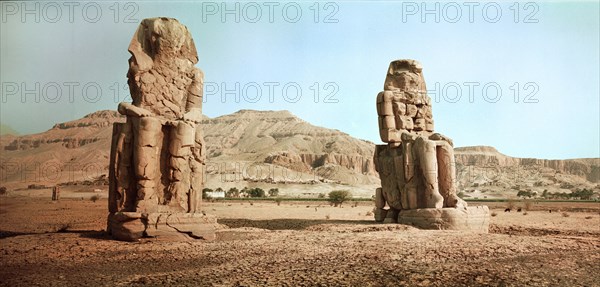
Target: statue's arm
{"x": 133, "y": 111}
{"x": 194, "y": 115}
{"x": 194, "y": 100}
{"x": 407, "y": 137}
{"x": 438, "y": 136}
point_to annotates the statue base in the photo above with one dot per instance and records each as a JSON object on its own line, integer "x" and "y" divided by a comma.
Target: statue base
{"x": 131, "y": 226}
{"x": 472, "y": 218}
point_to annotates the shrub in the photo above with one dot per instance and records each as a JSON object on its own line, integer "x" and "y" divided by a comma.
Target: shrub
{"x": 327, "y": 217}
{"x": 564, "y": 214}
{"x": 321, "y": 195}
{"x": 337, "y": 197}
{"x": 369, "y": 213}
{"x": 232, "y": 192}
{"x": 256, "y": 192}
{"x": 525, "y": 213}
{"x": 205, "y": 196}
{"x": 244, "y": 192}
{"x": 585, "y": 194}
{"x": 94, "y": 198}
{"x": 588, "y": 217}
{"x": 278, "y": 201}
{"x": 525, "y": 193}
{"x": 494, "y": 214}
{"x": 3, "y": 190}
{"x": 204, "y": 191}
{"x": 273, "y": 192}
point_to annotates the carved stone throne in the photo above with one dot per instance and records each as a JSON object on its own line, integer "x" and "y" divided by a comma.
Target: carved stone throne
{"x": 157, "y": 155}
{"x": 416, "y": 167}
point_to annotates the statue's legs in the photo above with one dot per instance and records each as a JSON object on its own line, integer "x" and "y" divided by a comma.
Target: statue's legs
{"x": 197, "y": 166}
{"x": 447, "y": 175}
{"x": 387, "y": 173}
{"x": 399, "y": 173}
{"x": 181, "y": 141}
{"x": 410, "y": 189}
{"x": 426, "y": 151}
{"x": 122, "y": 193}
{"x": 147, "y": 136}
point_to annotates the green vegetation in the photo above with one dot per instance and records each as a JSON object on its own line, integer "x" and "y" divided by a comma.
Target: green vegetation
{"x": 337, "y": 197}
{"x": 204, "y": 195}
{"x": 583, "y": 194}
{"x": 273, "y": 192}
{"x": 253, "y": 192}
{"x": 232, "y": 192}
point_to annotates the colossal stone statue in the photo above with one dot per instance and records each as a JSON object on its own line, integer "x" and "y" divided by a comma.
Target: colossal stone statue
{"x": 157, "y": 155}
{"x": 416, "y": 167}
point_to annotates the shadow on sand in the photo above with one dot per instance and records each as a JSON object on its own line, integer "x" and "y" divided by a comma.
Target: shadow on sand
{"x": 92, "y": 234}
{"x": 284, "y": 224}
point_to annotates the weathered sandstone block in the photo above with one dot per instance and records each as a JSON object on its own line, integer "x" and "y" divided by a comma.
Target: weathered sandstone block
{"x": 472, "y": 218}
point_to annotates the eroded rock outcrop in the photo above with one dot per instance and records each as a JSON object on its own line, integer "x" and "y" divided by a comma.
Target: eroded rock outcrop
{"x": 308, "y": 162}
{"x": 74, "y": 134}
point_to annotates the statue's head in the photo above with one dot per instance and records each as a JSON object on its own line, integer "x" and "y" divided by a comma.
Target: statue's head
{"x": 404, "y": 74}
{"x": 156, "y": 37}
{"x": 404, "y": 104}
{"x": 406, "y": 65}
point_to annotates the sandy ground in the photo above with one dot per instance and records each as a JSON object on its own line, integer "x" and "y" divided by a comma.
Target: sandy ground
{"x": 44, "y": 243}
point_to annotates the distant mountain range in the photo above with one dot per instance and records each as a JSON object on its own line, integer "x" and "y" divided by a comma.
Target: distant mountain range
{"x": 276, "y": 148}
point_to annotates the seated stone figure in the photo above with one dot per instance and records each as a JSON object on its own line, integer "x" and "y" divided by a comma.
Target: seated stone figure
{"x": 157, "y": 155}
{"x": 416, "y": 166}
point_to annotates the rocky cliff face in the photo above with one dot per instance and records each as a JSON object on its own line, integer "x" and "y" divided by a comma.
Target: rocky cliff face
{"x": 485, "y": 156}
{"x": 307, "y": 162}
{"x": 74, "y": 134}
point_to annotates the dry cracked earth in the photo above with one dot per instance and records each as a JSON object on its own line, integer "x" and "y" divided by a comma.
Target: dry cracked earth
{"x": 297, "y": 244}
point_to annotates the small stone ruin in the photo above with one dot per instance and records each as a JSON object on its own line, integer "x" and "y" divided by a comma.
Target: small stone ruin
{"x": 416, "y": 166}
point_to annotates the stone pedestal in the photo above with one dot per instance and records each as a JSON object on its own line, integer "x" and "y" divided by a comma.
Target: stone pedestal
{"x": 472, "y": 218}
{"x": 131, "y": 226}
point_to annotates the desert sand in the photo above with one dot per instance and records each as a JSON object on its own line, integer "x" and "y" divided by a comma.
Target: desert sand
{"x": 260, "y": 243}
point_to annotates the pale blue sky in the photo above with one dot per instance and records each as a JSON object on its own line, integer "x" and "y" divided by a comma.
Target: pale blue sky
{"x": 558, "y": 56}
